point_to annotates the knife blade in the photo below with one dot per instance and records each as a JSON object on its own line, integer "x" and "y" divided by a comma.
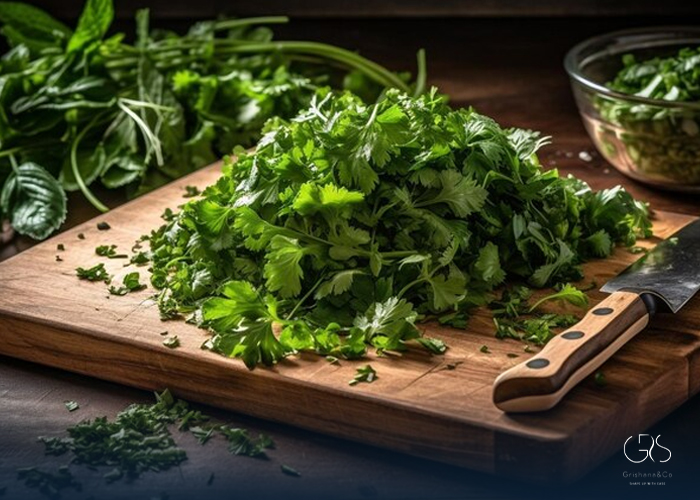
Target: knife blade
{"x": 663, "y": 280}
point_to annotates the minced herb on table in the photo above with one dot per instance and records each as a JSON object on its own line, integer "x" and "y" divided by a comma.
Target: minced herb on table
{"x": 138, "y": 440}
{"x": 351, "y": 223}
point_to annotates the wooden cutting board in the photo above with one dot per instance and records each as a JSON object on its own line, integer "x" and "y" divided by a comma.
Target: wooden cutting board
{"x": 437, "y": 407}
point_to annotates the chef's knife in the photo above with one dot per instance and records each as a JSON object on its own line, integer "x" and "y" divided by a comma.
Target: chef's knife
{"x": 662, "y": 280}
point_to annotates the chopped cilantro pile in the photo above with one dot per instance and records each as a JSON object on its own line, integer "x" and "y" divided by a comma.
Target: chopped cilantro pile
{"x": 351, "y": 223}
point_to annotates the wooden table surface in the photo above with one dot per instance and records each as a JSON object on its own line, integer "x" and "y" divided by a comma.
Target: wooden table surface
{"x": 510, "y": 69}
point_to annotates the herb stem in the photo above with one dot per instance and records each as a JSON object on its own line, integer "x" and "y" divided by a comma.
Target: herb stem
{"x": 13, "y": 162}
{"x": 10, "y": 152}
{"x": 304, "y": 299}
{"x": 409, "y": 286}
{"x": 350, "y": 59}
{"x": 76, "y": 171}
{"x": 291, "y": 48}
{"x": 422, "y": 74}
{"x": 238, "y": 23}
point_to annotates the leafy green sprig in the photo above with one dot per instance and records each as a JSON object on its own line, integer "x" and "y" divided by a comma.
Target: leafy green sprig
{"x": 80, "y": 107}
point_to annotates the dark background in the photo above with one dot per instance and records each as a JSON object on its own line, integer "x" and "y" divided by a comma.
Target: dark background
{"x": 504, "y": 58}
{"x": 179, "y": 9}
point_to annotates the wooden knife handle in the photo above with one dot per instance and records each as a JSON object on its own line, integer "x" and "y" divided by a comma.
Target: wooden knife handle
{"x": 541, "y": 382}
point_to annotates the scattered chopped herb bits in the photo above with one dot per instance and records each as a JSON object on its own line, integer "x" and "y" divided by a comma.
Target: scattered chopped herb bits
{"x": 95, "y": 273}
{"x": 167, "y": 215}
{"x": 136, "y": 441}
{"x": 515, "y": 318}
{"x": 528, "y": 349}
{"x": 191, "y": 191}
{"x": 109, "y": 251}
{"x": 103, "y": 226}
{"x": 364, "y": 374}
{"x": 59, "y": 258}
{"x": 333, "y": 360}
{"x": 513, "y": 355}
{"x": 241, "y": 443}
{"x": 203, "y": 435}
{"x": 286, "y": 469}
{"x": 436, "y": 346}
{"x": 599, "y": 379}
{"x": 163, "y": 333}
{"x": 130, "y": 283}
{"x": 81, "y": 236}
{"x": 71, "y": 405}
{"x": 61, "y": 247}
{"x": 48, "y": 483}
{"x": 484, "y": 349}
{"x": 172, "y": 342}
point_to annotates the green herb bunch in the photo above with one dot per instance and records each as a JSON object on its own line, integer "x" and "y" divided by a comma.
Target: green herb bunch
{"x": 352, "y": 222}
{"x": 661, "y": 141}
{"x": 80, "y": 108}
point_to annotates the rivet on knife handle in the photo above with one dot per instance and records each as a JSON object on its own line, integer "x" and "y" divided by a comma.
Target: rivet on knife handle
{"x": 541, "y": 382}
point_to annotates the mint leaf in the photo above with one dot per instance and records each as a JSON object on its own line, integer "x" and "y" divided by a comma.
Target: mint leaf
{"x": 24, "y": 23}
{"x": 93, "y": 24}
{"x": 34, "y": 200}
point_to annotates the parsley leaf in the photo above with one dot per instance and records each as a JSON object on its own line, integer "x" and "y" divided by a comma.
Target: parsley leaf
{"x": 95, "y": 273}
{"x": 171, "y": 342}
{"x": 71, "y": 405}
{"x": 130, "y": 283}
{"x": 364, "y": 374}
{"x": 109, "y": 251}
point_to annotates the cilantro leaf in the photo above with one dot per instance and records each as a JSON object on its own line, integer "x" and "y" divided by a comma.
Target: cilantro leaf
{"x": 568, "y": 293}
{"x": 488, "y": 265}
{"x": 94, "y": 22}
{"x": 109, "y": 251}
{"x": 364, "y": 374}
{"x": 283, "y": 270}
{"x": 130, "y": 283}
{"x": 95, "y": 273}
{"x": 388, "y": 323}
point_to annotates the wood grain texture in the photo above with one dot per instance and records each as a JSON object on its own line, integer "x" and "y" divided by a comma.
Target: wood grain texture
{"x": 432, "y": 406}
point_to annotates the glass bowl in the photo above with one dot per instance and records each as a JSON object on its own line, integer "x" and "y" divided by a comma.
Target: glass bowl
{"x": 653, "y": 141}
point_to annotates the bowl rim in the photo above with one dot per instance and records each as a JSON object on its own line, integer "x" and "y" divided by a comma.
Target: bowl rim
{"x": 573, "y": 71}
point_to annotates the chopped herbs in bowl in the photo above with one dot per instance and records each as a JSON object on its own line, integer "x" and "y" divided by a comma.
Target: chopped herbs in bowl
{"x": 638, "y": 93}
